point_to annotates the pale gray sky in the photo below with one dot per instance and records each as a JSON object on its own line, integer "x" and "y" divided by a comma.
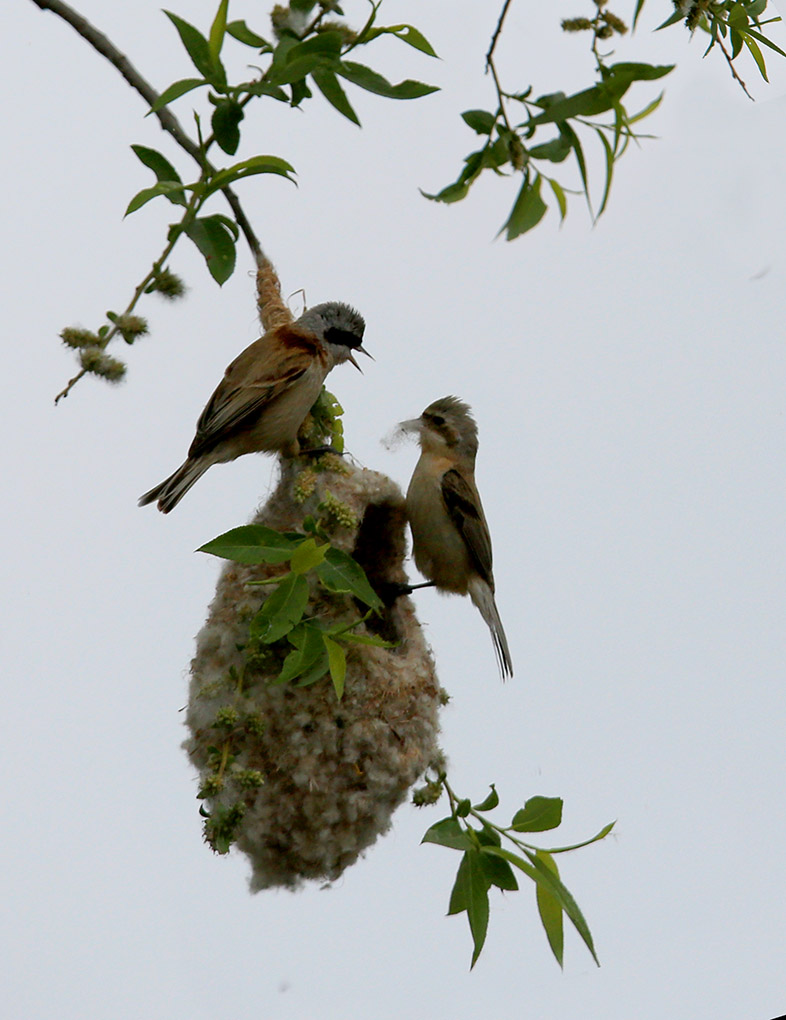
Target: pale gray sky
{"x": 628, "y": 381}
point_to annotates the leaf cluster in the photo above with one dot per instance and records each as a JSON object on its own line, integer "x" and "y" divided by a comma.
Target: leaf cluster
{"x": 740, "y": 23}
{"x": 307, "y": 53}
{"x": 518, "y": 147}
{"x": 317, "y": 647}
{"x": 486, "y": 862}
{"x": 300, "y": 59}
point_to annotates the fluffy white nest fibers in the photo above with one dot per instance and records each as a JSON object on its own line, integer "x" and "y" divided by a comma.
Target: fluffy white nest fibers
{"x": 332, "y": 771}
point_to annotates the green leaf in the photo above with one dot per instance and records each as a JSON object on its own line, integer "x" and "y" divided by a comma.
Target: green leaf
{"x": 448, "y": 832}
{"x": 765, "y": 41}
{"x": 330, "y": 87}
{"x": 322, "y": 50}
{"x": 239, "y": 30}
{"x": 307, "y": 556}
{"x": 609, "y": 169}
{"x": 549, "y": 878}
{"x": 648, "y": 109}
{"x": 407, "y": 34}
{"x": 452, "y": 193}
{"x": 481, "y": 121}
{"x": 672, "y": 20}
{"x": 574, "y": 141}
{"x": 293, "y": 73}
{"x": 234, "y": 230}
{"x": 757, "y": 55}
{"x": 337, "y": 660}
{"x": 538, "y": 872}
{"x": 226, "y": 124}
{"x": 490, "y": 802}
{"x": 367, "y": 639}
{"x": 557, "y": 150}
{"x": 737, "y": 18}
{"x": 263, "y": 88}
{"x": 582, "y": 104}
{"x": 281, "y": 610}
{"x": 550, "y": 910}
{"x": 284, "y": 45}
{"x": 248, "y": 168}
{"x": 252, "y": 543}
{"x": 619, "y": 74}
{"x": 218, "y": 31}
{"x": 371, "y": 81}
{"x": 528, "y": 210}
{"x": 210, "y": 235}
{"x": 412, "y": 37}
{"x": 559, "y": 194}
{"x": 498, "y": 872}
{"x": 316, "y": 672}
{"x": 163, "y": 170}
{"x": 471, "y": 893}
{"x": 300, "y": 91}
{"x": 538, "y": 815}
{"x": 459, "y": 894}
{"x": 577, "y": 846}
{"x": 637, "y": 12}
{"x": 599, "y": 98}
{"x": 159, "y": 164}
{"x": 309, "y": 652}
{"x": 142, "y": 197}
{"x": 488, "y": 835}
{"x": 323, "y": 44}
{"x": 175, "y": 90}
{"x": 340, "y": 573}
{"x": 198, "y": 49}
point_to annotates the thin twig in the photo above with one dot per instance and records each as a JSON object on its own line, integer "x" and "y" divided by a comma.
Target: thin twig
{"x": 490, "y": 65}
{"x": 167, "y": 119}
{"x": 497, "y": 32}
{"x": 138, "y": 292}
{"x": 733, "y": 69}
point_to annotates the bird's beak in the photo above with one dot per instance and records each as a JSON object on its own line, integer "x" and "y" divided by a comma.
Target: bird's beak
{"x": 362, "y": 351}
{"x": 412, "y": 425}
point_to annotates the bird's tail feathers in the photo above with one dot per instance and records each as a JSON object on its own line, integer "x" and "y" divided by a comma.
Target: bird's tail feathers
{"x": 169, "y": 492}
{"x": 483, "y": 598}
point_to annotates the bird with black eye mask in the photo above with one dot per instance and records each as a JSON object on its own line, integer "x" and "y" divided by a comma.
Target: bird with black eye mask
{"x": 266, "y": 393}
{"x": 451, "y": 543}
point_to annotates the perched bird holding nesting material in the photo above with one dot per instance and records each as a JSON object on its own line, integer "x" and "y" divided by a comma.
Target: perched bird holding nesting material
{"x": 266, "y": 393}
{"x": 450, "y": 537}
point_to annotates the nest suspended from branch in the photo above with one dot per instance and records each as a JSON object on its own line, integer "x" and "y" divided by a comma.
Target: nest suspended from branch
{"x": 309, "y": 781}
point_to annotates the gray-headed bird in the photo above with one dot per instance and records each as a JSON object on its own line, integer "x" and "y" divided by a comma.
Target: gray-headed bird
{"x": 450, "y": 537}
{"x": 266, "y": 393}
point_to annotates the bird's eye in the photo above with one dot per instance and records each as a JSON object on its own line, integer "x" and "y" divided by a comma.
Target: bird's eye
{"x": 438, "y": 419}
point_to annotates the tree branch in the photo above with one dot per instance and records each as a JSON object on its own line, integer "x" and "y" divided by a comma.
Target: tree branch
{"x": 166, "y": 118}
{"x": 733, "y": 69}
{"x": 497, "y": 32}
{"x": 490, "y": 66}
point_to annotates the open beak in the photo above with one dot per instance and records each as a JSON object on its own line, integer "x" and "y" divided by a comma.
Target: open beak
{"x": 362, "y": 351}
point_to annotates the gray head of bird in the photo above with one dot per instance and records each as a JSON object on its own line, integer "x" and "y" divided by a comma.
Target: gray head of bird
{"x": 447, "y": 427}
{"x": 340, "y": 327}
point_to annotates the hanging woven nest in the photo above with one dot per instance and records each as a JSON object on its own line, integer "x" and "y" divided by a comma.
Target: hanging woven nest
{"x": 299, "y": 780}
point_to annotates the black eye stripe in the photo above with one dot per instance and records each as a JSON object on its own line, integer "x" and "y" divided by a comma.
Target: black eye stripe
{"x": 334, "y": 335}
